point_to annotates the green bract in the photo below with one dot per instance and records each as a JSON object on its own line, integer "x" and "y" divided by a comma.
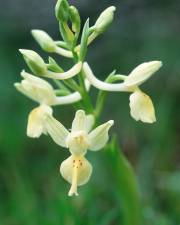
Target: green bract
{"x": 84, "y": 41}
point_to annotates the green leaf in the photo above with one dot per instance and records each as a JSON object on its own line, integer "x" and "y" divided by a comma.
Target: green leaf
{"x": 84, "y": 41}
{"x": 127, "y": 188}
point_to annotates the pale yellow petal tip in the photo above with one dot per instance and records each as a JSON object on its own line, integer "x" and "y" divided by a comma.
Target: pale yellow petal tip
{"x": 113, "y": 8}
{"x": 16, "y": 85}
{"x": 23, "y": 73}
{"x": 70, "y": 193}
{"x": 145, "y": 120}
{"x": 111, "y": 122}
{"x": 23, "y": 51}
{"x": 33, "y": 31}
{"x": 80, "y": 112}
{"x": 157, "y": 64}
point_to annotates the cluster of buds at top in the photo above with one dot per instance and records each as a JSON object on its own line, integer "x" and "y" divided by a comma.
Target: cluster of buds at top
{"x": 69, "y": 90}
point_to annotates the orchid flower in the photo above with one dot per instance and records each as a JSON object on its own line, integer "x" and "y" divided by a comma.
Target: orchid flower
{"x": 48, "y": 44}
{"x": 42, "y": 92}
{"x": 76, "y": 169}
{"x": 38, "y": 66}
{"x": 140, "y": 104}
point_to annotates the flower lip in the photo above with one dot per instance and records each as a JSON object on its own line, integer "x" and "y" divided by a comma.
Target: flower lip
{"x": 142, "y": 107}
{"x": 141, "y": 73}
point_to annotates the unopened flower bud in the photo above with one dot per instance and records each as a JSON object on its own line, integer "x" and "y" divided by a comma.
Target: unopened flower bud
{"x": 34, "y": 61}
{"x": 104, "y": 20}
{"x": 75, "y": 19}
{"x": 44, "y": 40}
{"x": 62, "y": 10}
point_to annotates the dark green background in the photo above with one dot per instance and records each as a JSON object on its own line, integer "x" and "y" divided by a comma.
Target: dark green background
{"x": 31, "y": 190}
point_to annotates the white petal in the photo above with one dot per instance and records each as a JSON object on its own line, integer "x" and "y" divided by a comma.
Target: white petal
{"x": 66, "y": 75}
{"x": 142, "y": 107}
{"x": 36, "y": 80}
{"x": 57, "y": 131}
{"x": 142, "y": 72}
{"x": 36, "y": 88}
{"x": 79, "y": 121}
{"x": 35, "y": 125}
{"x": 77, "y": 171}
{"x": 99, "y": 136}
{"x": 90, "y": 120}
{"x": 25, "y": 92}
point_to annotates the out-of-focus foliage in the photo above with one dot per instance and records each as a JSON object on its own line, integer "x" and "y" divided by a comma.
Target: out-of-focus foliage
{"x": 31, "y": 189}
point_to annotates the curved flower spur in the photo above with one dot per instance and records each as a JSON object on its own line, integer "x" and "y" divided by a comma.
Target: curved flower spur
{"x": 76, "y": 169}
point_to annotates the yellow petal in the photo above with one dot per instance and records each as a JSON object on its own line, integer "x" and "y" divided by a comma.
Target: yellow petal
{"x": 142, "y": 107}
{"x": 35, "y": 125}
{"x": 77, "y": 171}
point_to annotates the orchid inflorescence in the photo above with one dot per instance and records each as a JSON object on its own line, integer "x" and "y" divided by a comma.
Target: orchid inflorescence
{"x": 73, "y": 86}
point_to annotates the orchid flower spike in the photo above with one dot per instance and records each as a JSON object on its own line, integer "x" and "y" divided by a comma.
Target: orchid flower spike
{"x": 140, "y": 104}
{"x": 42, "y": 92}
{"x": 76, "y": 169}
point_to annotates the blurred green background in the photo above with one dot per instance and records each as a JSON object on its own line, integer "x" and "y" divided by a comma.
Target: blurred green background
{"x": 31, "y": 190}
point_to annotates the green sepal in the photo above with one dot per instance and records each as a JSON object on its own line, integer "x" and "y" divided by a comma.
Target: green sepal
{"x": 62, "y": 10}
{"x": 53, "y": 66}
{"x": 84, "y": 41}
{"x": 75, "y": 19}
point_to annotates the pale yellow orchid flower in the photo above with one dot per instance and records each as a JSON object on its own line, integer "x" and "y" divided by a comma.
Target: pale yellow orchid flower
{"x": 76, "y": 169}
{"x": 42, "y": 92}
{"x": 140, "y": 104}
